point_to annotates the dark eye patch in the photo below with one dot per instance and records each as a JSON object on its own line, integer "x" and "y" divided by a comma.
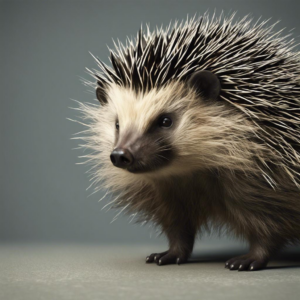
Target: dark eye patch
{"x": 164, "y": 120}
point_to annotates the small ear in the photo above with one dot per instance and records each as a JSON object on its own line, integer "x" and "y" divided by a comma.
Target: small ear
{"x": 101, "y": 95}
{"x": 206, "y": 84}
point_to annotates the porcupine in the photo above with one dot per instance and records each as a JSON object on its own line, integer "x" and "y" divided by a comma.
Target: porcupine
{"x": 198, "y": 128}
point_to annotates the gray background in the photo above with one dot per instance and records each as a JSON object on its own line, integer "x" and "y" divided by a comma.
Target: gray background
{"x": 55, "y": 242}
{"x": 44, "y": 50}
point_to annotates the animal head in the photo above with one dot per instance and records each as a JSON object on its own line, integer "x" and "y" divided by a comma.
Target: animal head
{"x": 176, "y": 128}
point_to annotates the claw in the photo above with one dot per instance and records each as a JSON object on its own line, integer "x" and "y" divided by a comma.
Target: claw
{"x": 246, "y": 262}
{"x": 165, "y": 258}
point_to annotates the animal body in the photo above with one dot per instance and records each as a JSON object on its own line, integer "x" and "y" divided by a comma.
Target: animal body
{"x": 198, "y": 128}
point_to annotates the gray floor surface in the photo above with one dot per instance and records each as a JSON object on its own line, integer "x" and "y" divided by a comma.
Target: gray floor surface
{"x": 58, "y": 271}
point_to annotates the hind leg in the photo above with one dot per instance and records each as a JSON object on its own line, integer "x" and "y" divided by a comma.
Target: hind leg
{"x": 257, "y": 258}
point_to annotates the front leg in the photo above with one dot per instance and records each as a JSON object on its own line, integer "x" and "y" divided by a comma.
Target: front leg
{"x": 181, "y": 241}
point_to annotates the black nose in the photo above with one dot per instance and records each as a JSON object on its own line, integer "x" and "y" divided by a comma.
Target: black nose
{"x": 121, "y": 158}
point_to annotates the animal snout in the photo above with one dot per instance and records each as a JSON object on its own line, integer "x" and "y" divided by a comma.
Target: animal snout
{"x": 121, "y": 158}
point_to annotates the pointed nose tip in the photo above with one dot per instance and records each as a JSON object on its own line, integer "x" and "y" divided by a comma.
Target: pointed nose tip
{"x": 121, "y": 158}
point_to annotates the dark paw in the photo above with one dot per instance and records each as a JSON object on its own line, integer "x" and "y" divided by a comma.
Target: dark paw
{"x": 153, "y": 257}
{"x": 246, "y": 263}
{"x": 165, "y": 258}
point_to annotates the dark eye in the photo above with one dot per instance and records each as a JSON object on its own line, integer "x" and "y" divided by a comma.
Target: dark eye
{"x": 165, "y": 122}
{"x": 117, "y": 125}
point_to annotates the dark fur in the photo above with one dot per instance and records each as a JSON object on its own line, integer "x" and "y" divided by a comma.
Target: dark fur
{"x": 248, "y": 207}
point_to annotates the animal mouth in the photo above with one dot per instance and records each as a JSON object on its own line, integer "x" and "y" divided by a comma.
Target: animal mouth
{"x": 137, "y": 170}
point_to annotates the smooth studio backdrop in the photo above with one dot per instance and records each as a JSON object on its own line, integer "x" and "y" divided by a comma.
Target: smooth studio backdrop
{"x": 44, "y": 51}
